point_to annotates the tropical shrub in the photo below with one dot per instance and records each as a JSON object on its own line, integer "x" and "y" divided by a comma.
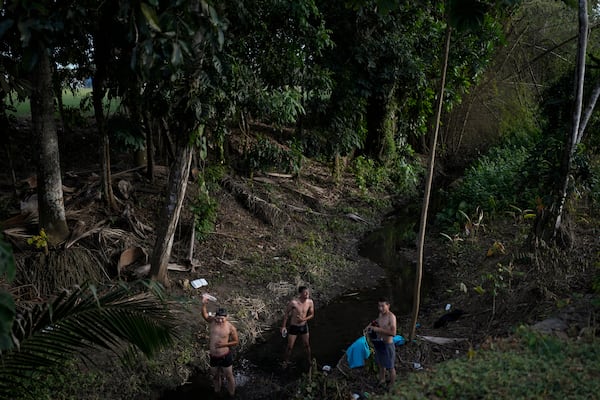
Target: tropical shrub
{"x": 124, "y": 320}
{"x": 267, "y": 155}
{"x": 494, "y": 183}
{"x": 204, "y": 206}
{"x": 399, "y": 175}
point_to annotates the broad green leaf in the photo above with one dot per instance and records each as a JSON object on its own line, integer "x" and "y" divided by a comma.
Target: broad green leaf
{"x": 80, "y": 320}
{"x": 151, "y": 16}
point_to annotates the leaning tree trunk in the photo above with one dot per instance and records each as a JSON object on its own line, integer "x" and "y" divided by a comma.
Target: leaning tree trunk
{"x": 571, "y": 142}
{"x": 50, "y": 195}
{"x": 178, "y": 178}
{"x": 423, "y": 223}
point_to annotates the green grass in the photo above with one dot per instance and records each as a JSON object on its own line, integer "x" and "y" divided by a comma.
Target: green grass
{"x": 532, "y": 366}
{"x": 70, "y": 100}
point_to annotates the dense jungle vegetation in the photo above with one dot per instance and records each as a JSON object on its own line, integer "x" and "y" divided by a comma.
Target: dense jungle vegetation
{"x": 254, "y": 142}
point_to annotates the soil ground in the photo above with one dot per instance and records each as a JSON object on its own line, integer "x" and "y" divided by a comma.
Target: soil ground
{"x": 273, "y": 233}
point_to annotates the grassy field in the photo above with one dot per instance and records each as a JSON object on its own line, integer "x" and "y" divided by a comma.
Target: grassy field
{"x": 70, "y": 100}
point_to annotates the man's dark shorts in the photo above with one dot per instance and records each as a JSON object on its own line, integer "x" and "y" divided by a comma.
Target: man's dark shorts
{"x": 222, "y": 362}
{"x": 385, "y": 354}
{"x": 298, "y": 329}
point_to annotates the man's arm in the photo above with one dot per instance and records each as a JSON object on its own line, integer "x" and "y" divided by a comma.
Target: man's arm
{"x": 310, "y": 313}
{"x": 205, "y": 315}
{"x": 233, "y": 334}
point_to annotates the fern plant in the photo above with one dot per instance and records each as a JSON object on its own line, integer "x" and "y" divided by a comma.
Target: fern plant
{"x": 79, "y": 321}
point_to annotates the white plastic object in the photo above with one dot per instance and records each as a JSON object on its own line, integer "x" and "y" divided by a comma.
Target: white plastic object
{"x": 196, "y": 283}
{"x": 209, "y": 297}
{"x": 326, "y": 368}
{"x": 283, "y": 332}
{"x": 448, "y": 306}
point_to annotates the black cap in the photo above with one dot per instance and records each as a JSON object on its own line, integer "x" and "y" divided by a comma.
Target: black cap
{"x": 221, "y": 312}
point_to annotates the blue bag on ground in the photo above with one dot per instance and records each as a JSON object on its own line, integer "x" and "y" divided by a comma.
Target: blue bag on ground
{"x": 399, "y": 340}
{"x": 358, "y": 352}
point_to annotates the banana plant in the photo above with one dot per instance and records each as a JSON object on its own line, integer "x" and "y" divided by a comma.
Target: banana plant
{"x": 78, "y": 322}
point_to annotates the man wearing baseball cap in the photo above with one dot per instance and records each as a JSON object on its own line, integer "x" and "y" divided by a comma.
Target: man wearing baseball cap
{"x": 223, "y": 336}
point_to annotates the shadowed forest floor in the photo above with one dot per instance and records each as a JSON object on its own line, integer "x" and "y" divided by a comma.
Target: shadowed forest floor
{"x": 274, "y": 232}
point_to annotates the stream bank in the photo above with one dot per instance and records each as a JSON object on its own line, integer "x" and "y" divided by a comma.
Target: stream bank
{"x": 335, "y": 327}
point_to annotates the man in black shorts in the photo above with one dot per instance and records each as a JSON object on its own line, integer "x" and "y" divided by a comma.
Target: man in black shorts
{"x": 223, "y": 335}
{"x": 298, "y": 311}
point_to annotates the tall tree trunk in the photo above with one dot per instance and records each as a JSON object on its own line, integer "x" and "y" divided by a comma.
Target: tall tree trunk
{"x": 150, "y": 124}
{"x": 178, "y": 178}
{"x": 50, "y": 195}
{"x": 589, "y": 109}
{"x": 101, "y": 56}
{"x": 375, "y": 113}
{"x": 423, "y": 223}
{"x": 571, "y": 142}
{"x": 379, "y": 113}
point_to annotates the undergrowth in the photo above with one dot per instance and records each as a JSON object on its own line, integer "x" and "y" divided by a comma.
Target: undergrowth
{"x": 527, "y": 366}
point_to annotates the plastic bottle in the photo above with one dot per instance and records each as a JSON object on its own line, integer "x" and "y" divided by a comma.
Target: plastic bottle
{"x": 209, "y": 297}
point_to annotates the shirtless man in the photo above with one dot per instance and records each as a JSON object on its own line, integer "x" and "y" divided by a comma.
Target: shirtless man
{"x": 299, "y": 311}
{"x": 385, "y": 351}
{"x": 223, "y": 335}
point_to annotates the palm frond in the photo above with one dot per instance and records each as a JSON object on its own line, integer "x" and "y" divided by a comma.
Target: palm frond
{"x": 81, "y": 319}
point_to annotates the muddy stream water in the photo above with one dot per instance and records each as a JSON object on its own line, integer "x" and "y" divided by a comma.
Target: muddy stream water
{"x": 335, "y": 326}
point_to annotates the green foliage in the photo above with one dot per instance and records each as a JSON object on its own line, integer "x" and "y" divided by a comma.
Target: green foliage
{"x": 400, "y": 175}
{"x": 39, "y": 241}
{"x": 466, "y": 229}
{"x": 495, "y": 183}
{"x": 81, "y": 320}
{"x": 282, "y": 106}
{"x": 499, "y": 282}
{"x": 528, "y": 366}
{"x": 73, "y": 117}
{"x": 125, "y": 134}
{"x": 315, "y": 385}
{"x": 369, "y": 174}
{"x": 267, "y": 155}
{"x": 406, "y": 172}
{"x": 204, "y": 206}
{"x": 345, "y": 126}
{"x": 314, "y": 264}
{"x": 69, "y": 381}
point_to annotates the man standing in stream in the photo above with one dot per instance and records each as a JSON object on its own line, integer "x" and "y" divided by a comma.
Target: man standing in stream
{"x": 223, "y": 336}
{"x": 383, "y": 329}
{"x": 299, "y": 311}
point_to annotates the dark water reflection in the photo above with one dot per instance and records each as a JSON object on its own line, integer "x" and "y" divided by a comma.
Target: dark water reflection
{"x": 336, "y": 325}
